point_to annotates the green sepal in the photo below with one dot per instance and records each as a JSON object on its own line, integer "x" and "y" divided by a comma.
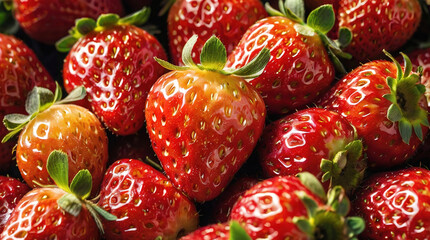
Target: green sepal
{"x": 297, "y": 7}
{"x": 405, "y": 129}
{"x": 107, "y": 20}
{"x": 312, "y": 183}
{"x": 81, "y": 184}
{"x": 213, "y": 55}
{"x": 345, "y": 37}
{"x": 170, "y": 66}
{"x": 394, "y": 113}
{"x": 237, "y": 232}
{"x": 271, "y": 11}
{"x": 338, "y": 201}
{"x": 76, "y": 94}
{"x": 304, "y": 225}
{"x": 356, "y": 225}
{"x": 138, "y": 18}
{"x": 65, "y": 44}
{"x": 70, "y": 203}
{"x": 322, "y": 19}
{"x": 255, "y": 67}
{"x": 58, "y": 169}
{"x": 95, "y": 211}
{"x": 85, "y": 25}
{"x": 310, "y": 204}
{"x": 304, "y": 29}
{"x": 187, "y": 51}
{"x": 14, "y": 120}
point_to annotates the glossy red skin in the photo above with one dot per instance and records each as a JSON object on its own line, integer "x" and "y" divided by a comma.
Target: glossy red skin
{"x": 116, "y": 96}
{"x": 298, "y": 142}
{"x": 212, "y": 232}
{"x": 378, "y": 25}
{"x": 20, "y": 71}
{"x": 203, "y": 126}
{"x": 11, "y": 191}
{"x": 299, "y": 69}
{"x": 359, "y": 98}
{"x": 38, "y": 216}
{"x": 223, "y": 204}
{"x": 267, "y": 209}
{"x": 146, "y": 203}
{"x": 226, "y": 19}
{"x": 49, "y": 20}
{"x": 70, "y": 128}
{"x": 395, "y": 205}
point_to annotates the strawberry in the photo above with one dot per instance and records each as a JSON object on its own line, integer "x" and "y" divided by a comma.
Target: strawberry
{"x": 20, "y": 72}
{"x": 204, "y": 120}
{"x": 224, "y": 231}
{"x": 295, "y": 208}
{"x": 226, "y": 19}
{"x": 61, "y": 212}
{"x": 314, "y": 140}
{"x": 395, "y": 205}
{"x": 146, "y": 203}
{"x": 52, "y": 125}
{"x": 113, "y": 59}
{"x": 378, "y": 25}
{"x": 49, "y": 20}
{"x": 388, "y": 110}
{"x": 11, "y": 191}
{"x": 300, "y": 69}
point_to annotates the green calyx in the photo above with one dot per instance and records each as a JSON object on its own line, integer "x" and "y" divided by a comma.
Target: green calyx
{"x": 38, "y": 100}
{"x": 78, "y": 191}
{"x": 213, "y": 57}
{"x": 83, "y": 26}
{"x": 405, "y": 96}
{"x": 345, "y": 168}
{"x": 237, "y": 232}
{"x": 329, "y": 221}
{"x": 320, "y": 21}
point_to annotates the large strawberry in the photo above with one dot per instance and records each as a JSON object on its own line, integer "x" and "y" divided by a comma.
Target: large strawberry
{"x": 226, "y": 19}
{"x": 11, "y": 191}
{"x": 295, "y": 208}
{"x": 378, "y": 25}
{"x": 146, "y": 203}
{"x": 300, "y": 68}
{"x": 204, "y": 120}
{"x": 49, "y": 20}
{"x": 20, "y": 71}
{"x": 61, "y": 212}
{"x": 52, "y": 124}
{"x": 224, "y": 231}
{"x": 314, "y": 140}
{"x": 114, "y": 60}
{"x": 388, "y": 110}
{"x": 395, "y": 205}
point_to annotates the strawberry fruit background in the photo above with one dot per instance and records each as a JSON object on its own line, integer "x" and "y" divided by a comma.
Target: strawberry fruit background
{"x": 214, "y": 119}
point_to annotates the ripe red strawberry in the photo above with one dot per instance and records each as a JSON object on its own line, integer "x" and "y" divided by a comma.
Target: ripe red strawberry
{"x": 226, "y": 19}
{"x": 204, "y": 120}
{"x": 395, "y": 205}
{"x": 20, "y": 71}
{"x": 295, "y": 208}
{"x": 49, "y": 20}
{"x": 11, "y": 191}
{"x": 378, "y": 25}
{"x": 389, "y": 112}
{"x": 57, "y": 213}
{"x": 300, "y": 69}
{"x": 224, "y": 231}
{"x": 145, "y": 202}
{"x": 314, "y": 140}
{"x": 51, "y": 126}
{"x": 113, "y": 59}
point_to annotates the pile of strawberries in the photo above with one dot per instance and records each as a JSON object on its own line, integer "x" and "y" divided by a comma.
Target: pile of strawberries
{"x": 214, "y": 119}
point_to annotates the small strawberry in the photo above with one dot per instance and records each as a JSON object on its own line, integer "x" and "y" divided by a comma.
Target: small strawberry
{"x": 204, "y": 120}
{"x": 51, "y": 125}
{"x": 61, "y": 212}
{"x": 295, "y": 208}
{"x": 146, "y": 203}
{"x": 20, "y": 71}
{"x": 300, "y": 68}
{"x": 314, "y": 140}
{"x": 378, "y": 25}
{"x": 49, "y": 20}
{"x": 224, "y": 231}
{"x": 226, "y": 19}
{"x": 388, "y": 110}
{"x": 11, "y": 191}
{"x": 114, "y": 60}
{"x": 395, "y": 205}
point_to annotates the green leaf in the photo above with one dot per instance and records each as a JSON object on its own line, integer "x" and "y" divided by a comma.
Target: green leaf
{"x": 105, "y": 214}
{"x": 394, "y": 113}
{"x": 304, "y": 225}
{"x": 170, "y": 66}
{"x": 237, "y": 232}
{"x": 405, "y": 129}
{"x": 271, "y": 11}
{"x": 310, "y": 204}
{"x": 69, "y": 203}
{"x": 312, "y": 183}
{"x": 322, "y": 18}
{"x": 58, "y": 169}
{"x": 81, "y": 184}
{"x": 213, "y": 55}
{"x": 58, "y": 93}
{"x": 14, "y": 120}
{"x": 345, "y": 37}
{"x": 106, "y": 20}
{"x": 399, "y": 68}
{"x": 304, "y": 29}
{"x": 187, "y": 51}
{"x": 355, "y": 225}
{"x": 421, "y": 88}
{"x": 66, "y": 43}
{"x": 255, "y": 67}
{"x": 392, "y": 83}
{"x": 326, "y": 165}
{"x": 355, "y": 150}
{"x": 390, "y": 97}
{"x": 296, "y": 6}
{"x": 93, "y": 212}
{"x": 338, "y": 201}
{"x": 85, "y": 25}
{"x": 407, "y": 64}
{"x": 138, "y": 18}
{"x": 12, "y": 134}
{"x": 76, "y": 94}
{"x": 336, "y": 62}
{"x": 418, "y": 131}
{"x": 289, "y": 14}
